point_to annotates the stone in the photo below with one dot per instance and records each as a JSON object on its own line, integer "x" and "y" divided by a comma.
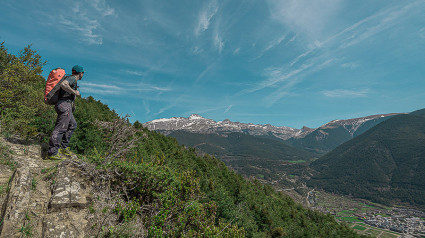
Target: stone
{"x": 16, "y": 203}
{"x": 69, "y": 190}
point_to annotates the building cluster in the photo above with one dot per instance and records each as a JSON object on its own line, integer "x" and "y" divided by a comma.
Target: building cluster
{"x": 410, "y": 225}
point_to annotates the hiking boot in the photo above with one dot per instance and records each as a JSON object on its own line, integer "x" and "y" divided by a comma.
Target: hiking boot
{"x": 55, "y": 157}
{"x": 66, "y": 151}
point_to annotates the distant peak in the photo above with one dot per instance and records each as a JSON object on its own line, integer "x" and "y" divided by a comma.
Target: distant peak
{"x": 305, "y": 128}
{"x": 195, "y": 117}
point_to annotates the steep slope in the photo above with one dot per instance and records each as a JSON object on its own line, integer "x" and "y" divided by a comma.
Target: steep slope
{"x": 334, "y": 133}
{"x": 384, "y": 164}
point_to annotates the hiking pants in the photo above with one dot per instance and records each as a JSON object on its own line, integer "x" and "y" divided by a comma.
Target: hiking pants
{"x": 65, "y": 125}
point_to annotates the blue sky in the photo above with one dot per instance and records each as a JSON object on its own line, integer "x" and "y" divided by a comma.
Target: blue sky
{"x": 282, "y": 62}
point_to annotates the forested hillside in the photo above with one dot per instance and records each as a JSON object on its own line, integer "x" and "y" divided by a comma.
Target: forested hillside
{"x": 248, "y": 155}
{"x": 181, "y": 194}
{"x": 385, "y": 164}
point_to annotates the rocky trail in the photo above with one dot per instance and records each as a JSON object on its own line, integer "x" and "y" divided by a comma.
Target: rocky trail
{"x": 42, "y": 198}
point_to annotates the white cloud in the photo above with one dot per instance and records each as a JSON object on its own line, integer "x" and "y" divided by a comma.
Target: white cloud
{"x": 342, "y": 93}
{"x": 292, "y": 39}
{"x": 210, "y": 67}
{"x": 271, "y": 45}
{"x": 196, "y": 50}
{"x": 321, "y": 54}
{"x": 146, "y": 106}
{"x": 228, "y": 108}
{"x": 284, "y": 80}
{"x": 83, "y": 21}
{"x": 205, "y": 17}
{"x": 106, "y": 89}
{"x": 236, "y": 51}
{"x": 350, "y": 65}
{"x": 305, "y": 16}
{"x": 218, "y": 42}
{"x": 101, "y": 86}
{"x": 372, "y": 25}
{"x": 132, "y": 72}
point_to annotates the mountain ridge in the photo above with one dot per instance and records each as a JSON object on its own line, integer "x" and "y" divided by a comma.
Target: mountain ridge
{"x": 317, "y": 140}
{"x": 384, "y": 164}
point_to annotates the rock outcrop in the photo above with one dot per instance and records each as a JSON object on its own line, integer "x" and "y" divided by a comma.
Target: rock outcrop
{"x": 42, "y": 198}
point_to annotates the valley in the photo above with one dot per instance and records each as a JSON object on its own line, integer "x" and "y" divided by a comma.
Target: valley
{"x": 366, "y": 172}
{"x": 365, "y": 217}
{"x": 362, "y": 215}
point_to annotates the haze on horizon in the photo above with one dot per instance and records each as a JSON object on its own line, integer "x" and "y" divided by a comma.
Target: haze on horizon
{"x": 285, "y": 63}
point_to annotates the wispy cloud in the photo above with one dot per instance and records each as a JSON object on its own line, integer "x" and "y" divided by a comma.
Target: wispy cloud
{"x": 309, "y": 18}
{"x": 146, "y": 106}
{"x": 320, "y": 54}
{"x": 291, "y": 40}
{"x": 203, "y": 111}
{"x": 271, "y": 45}
{"x": 218, "y": 42}
{"x": 228, "y": 108}
{"x": 375, "y": 24}
{"x": 132, "y": 72}
{"x": 205, "y": 17}
{"x": 101, "y": 89}
{"x": 106, "y": 89}
{"x": 206, "y": 71}
{"x": 342, "y": 93}
{"x": 196, "y": 50}
{"x": 84, "y": 19}
{"x": 277, "y": 75}
{"x": 350, "y": 65}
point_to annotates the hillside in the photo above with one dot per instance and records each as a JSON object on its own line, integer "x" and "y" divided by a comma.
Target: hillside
{"x": 334, "y": 133}
{"x": 144, "y": 184}
{"x": 249, "y": 155}
{"x": 385, "y": 164}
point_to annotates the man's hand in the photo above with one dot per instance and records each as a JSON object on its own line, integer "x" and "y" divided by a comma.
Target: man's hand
{"x": 77, "y": 93}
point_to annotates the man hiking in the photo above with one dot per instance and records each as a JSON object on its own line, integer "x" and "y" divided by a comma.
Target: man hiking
{"x": 65, "y": 122}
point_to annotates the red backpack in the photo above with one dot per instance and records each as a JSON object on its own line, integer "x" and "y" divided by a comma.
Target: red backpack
{"x": 51, "y": 93}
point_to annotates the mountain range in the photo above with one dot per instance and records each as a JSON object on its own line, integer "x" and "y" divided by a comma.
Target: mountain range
{"x": 317, "y": 140}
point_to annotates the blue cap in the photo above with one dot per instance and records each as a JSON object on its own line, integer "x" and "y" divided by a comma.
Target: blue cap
{"x": 78, "y": 69}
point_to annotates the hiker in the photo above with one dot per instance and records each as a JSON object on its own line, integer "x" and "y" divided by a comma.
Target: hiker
{"x": 65, "y": 122}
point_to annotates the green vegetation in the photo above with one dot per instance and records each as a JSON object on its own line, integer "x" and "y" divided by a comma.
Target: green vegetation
{"x": 262, "y": 157}
{"x": 26, "y": 230}
{"x": 34, "y": 184}
{"x": 385, "y": 164}
{"x": 349, "y": 219}
{"x": 388, "y": 235}
{"x": 358, "y": 227}
{"x": 181, "y": 194}
{"x": 296, "y": 161}
{"x": 374, "y": 232}
{"x": 5, "y": 157}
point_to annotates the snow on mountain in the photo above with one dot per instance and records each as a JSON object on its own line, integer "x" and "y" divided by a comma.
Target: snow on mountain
{"x": 351, "y": 125}
{"x": 198, "y": 124}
